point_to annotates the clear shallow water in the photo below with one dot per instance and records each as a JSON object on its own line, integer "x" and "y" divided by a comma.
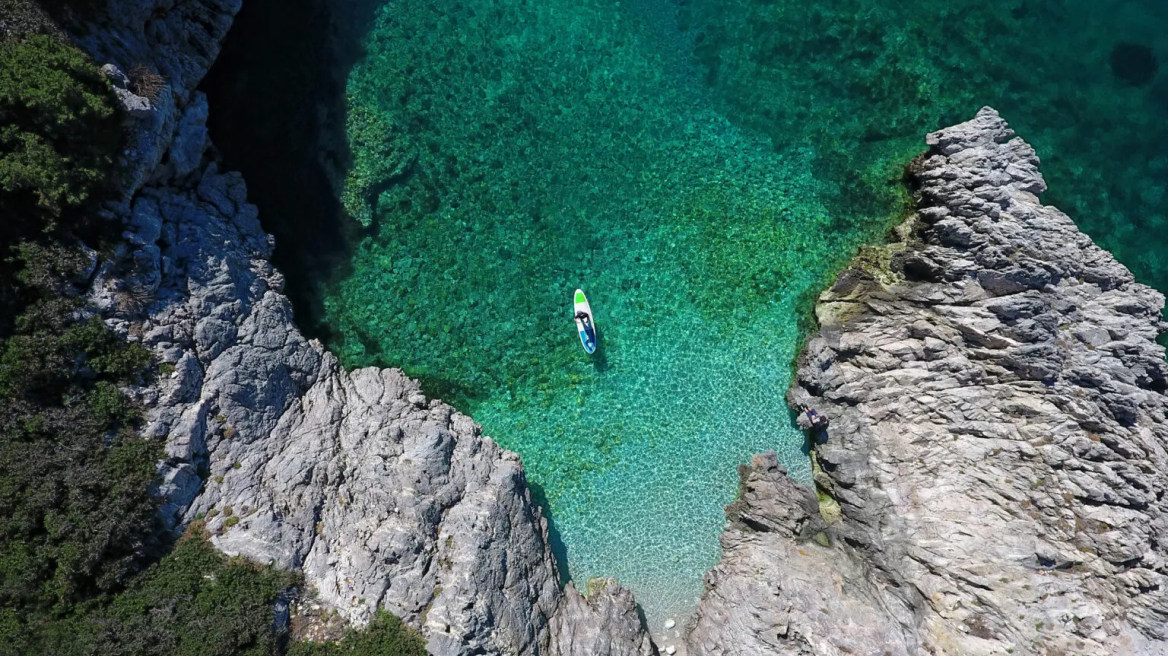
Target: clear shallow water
{"x": 700, "y": 183}
{"x": 556, "y": 145}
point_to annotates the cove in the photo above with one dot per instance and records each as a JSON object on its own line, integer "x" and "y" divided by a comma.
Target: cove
{"x": 506, "y": 154}
{"x": 700, "y": 169}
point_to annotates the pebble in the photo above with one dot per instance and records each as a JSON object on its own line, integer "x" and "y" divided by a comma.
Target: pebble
{"x": 669, "y": 624}
{"x": 671, "y": 650}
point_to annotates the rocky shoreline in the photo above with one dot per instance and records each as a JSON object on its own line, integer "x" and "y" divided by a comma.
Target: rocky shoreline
{"x": 995, "y": 467}
{"x": 381, "y": 497}
{"x": 995, "y": 454}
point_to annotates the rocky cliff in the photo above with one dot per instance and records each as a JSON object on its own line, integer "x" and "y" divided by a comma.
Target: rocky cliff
{"x": 381, "y": 497}
{"x": 994, "y": 472}
{"x": 992, "y": 480}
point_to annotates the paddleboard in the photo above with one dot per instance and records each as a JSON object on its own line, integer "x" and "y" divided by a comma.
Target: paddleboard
{"x": 587, "y": 331}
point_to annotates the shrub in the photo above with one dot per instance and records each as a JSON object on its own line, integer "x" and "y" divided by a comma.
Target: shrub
{"x": 386, "y": 635}
{"x": 74, "y": 476}
{"x": 59, "y": 129}
{"x": 194, "y": 601}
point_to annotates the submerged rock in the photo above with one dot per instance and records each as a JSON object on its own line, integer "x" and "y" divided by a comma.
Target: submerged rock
{"x": 997, "y": 447}
{"x": 1134, "y": 63}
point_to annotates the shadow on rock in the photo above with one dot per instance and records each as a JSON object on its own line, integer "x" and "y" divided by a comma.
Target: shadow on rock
{"x": 555, "y": 540}
{"x": 277, "y": 96}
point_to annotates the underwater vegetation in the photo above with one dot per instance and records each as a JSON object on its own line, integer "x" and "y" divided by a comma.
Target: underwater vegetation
{"x": 515, "y": 152}
{"x": 700, "y": 169}
{"x": 863, "y": 81}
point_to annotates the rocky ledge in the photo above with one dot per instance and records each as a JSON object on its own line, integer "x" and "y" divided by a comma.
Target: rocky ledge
{"x": 993, "y": 477}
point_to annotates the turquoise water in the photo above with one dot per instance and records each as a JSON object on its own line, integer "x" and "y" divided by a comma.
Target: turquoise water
{"x": 861, "y": 79}
{"x": 551, "y": 146}
{"x": 699, "y": 170}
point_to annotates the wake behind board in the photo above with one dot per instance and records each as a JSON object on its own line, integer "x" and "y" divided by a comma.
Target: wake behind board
{"x": 587, "y": 329}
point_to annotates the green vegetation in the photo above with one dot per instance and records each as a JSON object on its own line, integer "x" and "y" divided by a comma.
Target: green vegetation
{"x": 74, "y": 476}
{"x": 386, "y": 635}
{"x": 79, "y": 529}
{"x": 59, "y": 133}
{"x": 58, "y": 128}
{"x": 194, "y": 602}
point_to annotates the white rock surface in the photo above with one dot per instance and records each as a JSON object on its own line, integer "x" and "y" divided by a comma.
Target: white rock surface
{"x": 996, "y": 452}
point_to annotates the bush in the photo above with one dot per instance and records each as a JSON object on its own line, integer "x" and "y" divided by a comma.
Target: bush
{"x": 386, "y": 635}
{"x": 196, "y": 601}
{"x": 60, "y": 134}
{"x": 59, "y": 130}
{"x": 74, "y": 477}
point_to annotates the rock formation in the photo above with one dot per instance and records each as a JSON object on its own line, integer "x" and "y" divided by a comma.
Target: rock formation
{"x": 995, "y": 466}
{"x": 381, "y": 497}
{"x": 992, "y": 479}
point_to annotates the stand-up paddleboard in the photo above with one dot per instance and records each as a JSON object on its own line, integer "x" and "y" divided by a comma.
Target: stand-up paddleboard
{"x": 586, "y": 327}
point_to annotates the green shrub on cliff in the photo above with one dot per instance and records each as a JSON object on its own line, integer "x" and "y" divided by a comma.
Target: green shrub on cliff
{"x": 196, "y": 601}
{"x": 59, "y": 129}
{"x": 73, "y": 474}
{"x": 386, "y": 635}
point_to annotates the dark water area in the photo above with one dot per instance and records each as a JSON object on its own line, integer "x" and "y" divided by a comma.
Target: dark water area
{"x": 277, "y": 97}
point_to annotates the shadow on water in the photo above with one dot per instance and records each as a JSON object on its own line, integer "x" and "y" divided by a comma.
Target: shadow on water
{"x": 555, "y": 541}
{"x": 277, "y": 97}
{"x": 599, "y": 358}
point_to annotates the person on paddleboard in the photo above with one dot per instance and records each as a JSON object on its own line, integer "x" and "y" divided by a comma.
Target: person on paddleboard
{"x": 585, "y": 326}
{"x": 585, "y": 322}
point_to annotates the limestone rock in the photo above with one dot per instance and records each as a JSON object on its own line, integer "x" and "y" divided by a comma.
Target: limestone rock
{"x": 811, "y": 598}
{"x": 604, "y": 622}
{"x": 190, "y": 137}
{"x": 997, "y": 443}
{"x": 178, "y": 42}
